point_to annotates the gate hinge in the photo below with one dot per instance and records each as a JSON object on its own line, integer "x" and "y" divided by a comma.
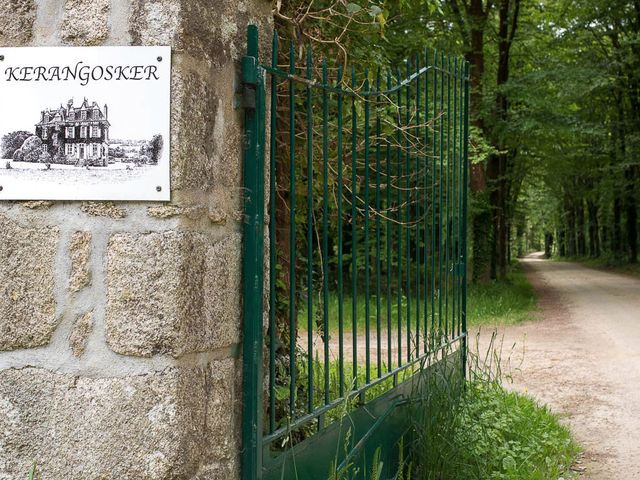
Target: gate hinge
{"x": 249, "y": 82}
{"x": 248, "y": 97}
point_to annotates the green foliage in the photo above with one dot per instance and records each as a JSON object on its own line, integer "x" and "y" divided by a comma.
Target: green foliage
{"x": 347, "y": 313}
{"x": 478, "y": 430}
{"x": 504, "y": 435}
{"x": 609, "y": 262}
{"x": 349, "y": 402}
{"x": 479, "y": 148}
{"x": 501, "y": 302}
{"x": 575, "y": 103}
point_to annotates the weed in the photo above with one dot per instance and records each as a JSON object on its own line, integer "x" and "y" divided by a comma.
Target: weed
{"x": 485, "y": 432}
{"x": 33, "y": 473}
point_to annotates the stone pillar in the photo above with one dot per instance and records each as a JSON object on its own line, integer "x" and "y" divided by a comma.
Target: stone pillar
{"x": 120, "y": 322}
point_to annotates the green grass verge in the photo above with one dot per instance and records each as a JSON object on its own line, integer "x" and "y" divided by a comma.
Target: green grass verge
{"x": 607, "y": 262}
{"x": 505, "y": 302}
{"x": 496, "y": 435}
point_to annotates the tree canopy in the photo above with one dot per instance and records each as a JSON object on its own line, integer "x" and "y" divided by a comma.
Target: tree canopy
{"x": 555, "y": 109}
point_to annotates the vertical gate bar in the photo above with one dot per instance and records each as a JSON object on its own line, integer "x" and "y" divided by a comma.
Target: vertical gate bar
{"x": 378, "y": 214}
{"x": 452, "y": 202}
{"x": 388, "y": 234}
{"x": 434, "y": 233}
{"x": 447, "y": 215}
{"x": 293, "y": 314}
{"x": 252, "y": 260}
{"x": 354, "y": 229}
{"x": 340, "y": 238}
{"x": 426, "y": 198}
{"x": 325, "y": 227}
{"x": 407, "y": 215}
{"x": 399, "y": 208}
{"x": 457, "y": 134}
{"x": 459, "y": 194}
{"x": 309, "y": 113}
{"x": 417, "y": 221}
{"x": 456, "y": 214}
{"x": 272, "y": 238}
{"x": 440, "y": 191}
{"x": 463, "y": 186}
{"x": 367, "y": 292}
{"x": 464, "y": 216}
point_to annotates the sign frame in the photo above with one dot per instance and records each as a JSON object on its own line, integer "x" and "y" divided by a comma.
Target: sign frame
{"x": 99, "y": 119}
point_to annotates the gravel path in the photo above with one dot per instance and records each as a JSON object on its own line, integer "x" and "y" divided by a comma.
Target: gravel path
{"x": 582, "y": 358}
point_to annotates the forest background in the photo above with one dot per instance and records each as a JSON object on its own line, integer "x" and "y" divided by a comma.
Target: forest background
{"x": 555, "y": 110}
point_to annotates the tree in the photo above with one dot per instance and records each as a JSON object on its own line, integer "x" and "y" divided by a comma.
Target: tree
{"x": 500, "y": 163}
{"x": 11, "y": 142}
{"x": 471, "y": 18}
{"x": 30, "y": 150}
{"x": 155, "y": 149}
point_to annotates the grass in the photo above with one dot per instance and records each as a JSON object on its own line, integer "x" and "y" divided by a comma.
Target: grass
{"x": 608, "y": 262}
{"x": 484, "y": 432}
{"x": 497, "y": 434}
{"x": 481, "y": 431}
{"x": 504, "y": 302}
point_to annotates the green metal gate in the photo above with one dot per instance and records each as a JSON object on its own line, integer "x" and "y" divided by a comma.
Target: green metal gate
{"x": 365, "y": 252}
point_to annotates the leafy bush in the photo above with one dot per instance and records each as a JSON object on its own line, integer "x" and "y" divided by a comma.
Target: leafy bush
{"x": 504, "y": 435}
{"x": 61, "y": 159}
{"x": 45, "y": 157}
{"x": 30, "y": 150}
{"x": 487, "y": 432}
{"x": 11, "y": 142}
{"x": 155, "y": 148}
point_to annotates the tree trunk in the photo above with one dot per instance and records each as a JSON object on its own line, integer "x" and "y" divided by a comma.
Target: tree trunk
{"x": 581, "y": 237}
{"x": 631, "y": 210}
{"x": 548, "y": 244}
{"x": 562, "y": 244}
{"x": 570, "y": 220}
{"x": 594, "y": 246}
{"x": 616, "y": 237}
{"x": 498, "y": 164}
{"x": 481, "y": 217}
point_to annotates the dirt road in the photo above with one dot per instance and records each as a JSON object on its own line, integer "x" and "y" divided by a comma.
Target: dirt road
{"x": 582, "y": 358}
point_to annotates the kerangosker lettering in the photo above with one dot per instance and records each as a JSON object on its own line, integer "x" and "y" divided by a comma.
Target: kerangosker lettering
{"x": 82, "y": 73}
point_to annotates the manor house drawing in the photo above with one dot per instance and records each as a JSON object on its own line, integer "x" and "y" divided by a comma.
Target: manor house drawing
{"x": 79, "y": 134}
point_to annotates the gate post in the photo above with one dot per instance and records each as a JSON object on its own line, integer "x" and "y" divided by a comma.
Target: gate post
{"x": 252, "y": 258}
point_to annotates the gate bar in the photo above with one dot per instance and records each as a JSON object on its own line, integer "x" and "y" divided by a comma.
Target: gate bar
{"x": 252, "y": 259}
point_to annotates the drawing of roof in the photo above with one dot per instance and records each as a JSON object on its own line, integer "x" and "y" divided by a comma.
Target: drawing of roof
{"x": 86, "y": 112}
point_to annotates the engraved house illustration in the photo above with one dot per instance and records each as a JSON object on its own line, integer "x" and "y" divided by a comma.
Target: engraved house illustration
{"x": 79, "y": 134}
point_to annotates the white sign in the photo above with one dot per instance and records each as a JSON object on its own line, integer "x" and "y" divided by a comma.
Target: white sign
{"x": 84, "y": 123}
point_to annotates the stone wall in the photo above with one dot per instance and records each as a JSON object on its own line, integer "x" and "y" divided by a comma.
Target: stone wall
{"x": 120, "y": 322}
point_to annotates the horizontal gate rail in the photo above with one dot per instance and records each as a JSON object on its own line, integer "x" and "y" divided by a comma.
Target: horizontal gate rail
{"x": 367, "y": 234}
